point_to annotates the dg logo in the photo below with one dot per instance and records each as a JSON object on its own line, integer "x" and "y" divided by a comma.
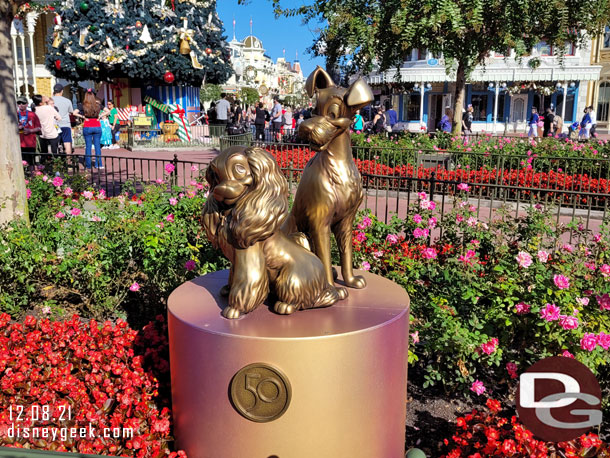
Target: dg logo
{"x": 559, "y": 399}
{"x": 260, "y": 392}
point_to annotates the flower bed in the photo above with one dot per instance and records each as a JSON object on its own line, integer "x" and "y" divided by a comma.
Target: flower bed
{"x": 491, "y": 298}
{"x": 495, "y": 432}
{"x": 104, "y": 377}
{"x": 551, "y": 186}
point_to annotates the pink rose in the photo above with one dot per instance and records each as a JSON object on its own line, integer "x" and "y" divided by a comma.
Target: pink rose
{"x": 463, "y": 187}
{"x": 59, "y": 215}
{"x": 173, "y": 201}
{"x": 432, "y": 222}
{"x": 417, "y": 218}
{"x": 550, "y": 312}
{"x": 429, "y": 253}
{"x": 522, "y": 308}
{"x": 524, "y": 259}
{"x": 420, "y": 233}
{"x": 28, "y": 193}
{"x": 603, "y": 340}
{"x": 478, "y": 387}
{"x": 415, "y": 336}
{"x": 194, "y": 168}
{"x": 190, "y": 265}
{"x": 568, "y": 321}
{"x": 87, "y": 194}
{"x": 134, "y": 286}
{"x": 567, "y": 354}
{"x": 604, "y": 302}
{"x": 365, "y": 266}
{"x": 588, "y": 341}
{"x": 75, "y": 211}
{"x": 583, "y": 301}
{"x": 392, "y": 239}
{"x": 360, "y": 236}
{"x": 169, "y": 168}
{"x": 170, "y": 218}
{"x": 378, "y": 254}
{"x": 605, "y": 270}
{"x": 561, "y": 281}
{"x": 58, "y": 181}
{"x": 472, "y": 221}
{"x": 543, "y": 256}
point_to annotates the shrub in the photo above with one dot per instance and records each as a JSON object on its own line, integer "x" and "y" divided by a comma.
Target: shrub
{"x": 488, "y": 294}
{"x": 102, "y": 257}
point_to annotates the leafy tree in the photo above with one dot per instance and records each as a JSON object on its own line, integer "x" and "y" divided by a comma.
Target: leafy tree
{"x": 249, "y": 95}
{"x": 101, "y": 40}
{"x": 210, "y": 92}
{"x": 13, "y": 203}
{"x": 359, "y": 35}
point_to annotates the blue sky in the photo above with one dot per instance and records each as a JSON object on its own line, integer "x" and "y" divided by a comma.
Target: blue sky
{"x": 276, "y": 34}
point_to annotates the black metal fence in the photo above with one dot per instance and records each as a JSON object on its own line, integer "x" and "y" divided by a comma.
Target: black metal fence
{"x": 392, "y": 177}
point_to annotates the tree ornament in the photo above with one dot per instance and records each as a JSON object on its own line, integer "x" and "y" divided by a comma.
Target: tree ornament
{"x": 84, "y": 7}
{"x": 145, "y": 37}
{"x": 56, "y": 39}
{"x": 169, "y": 77}
{"x": 58, "y": 64}
{"x": 208, "y": 51}
{"x": 93, "y": 28}
{"x": 81, "y": 64}
{"x": 57, "y": 20}
{"x": 195, "y": 62}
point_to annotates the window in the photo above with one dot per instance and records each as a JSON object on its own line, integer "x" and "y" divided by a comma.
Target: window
{"x": 479, "y": 105}
{"x": 410, "y": 107}
{"x": 501, "y": 102}
{"x": 570, "y": 49}
{"x": 607, "y": 37}
{"x": 603, "y": 101}
{"x": 544, "y": 49}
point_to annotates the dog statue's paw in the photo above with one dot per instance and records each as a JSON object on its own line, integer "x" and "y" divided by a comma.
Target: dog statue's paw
{"x": 283, "y": 308}
{"x": 225, "y": 290}
{"x": 230, "y": 313}
{"x": 342, "y": 292}
{"x": 357, "y": 281}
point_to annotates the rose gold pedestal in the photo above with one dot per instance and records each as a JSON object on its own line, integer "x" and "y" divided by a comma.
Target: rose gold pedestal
{"x": 346, "y": 368}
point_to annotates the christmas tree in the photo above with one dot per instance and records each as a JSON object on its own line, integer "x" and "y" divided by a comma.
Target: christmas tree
{"x": 151, "y": 41}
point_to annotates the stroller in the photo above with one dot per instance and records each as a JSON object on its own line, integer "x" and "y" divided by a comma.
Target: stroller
{"x": 573, "y": 131}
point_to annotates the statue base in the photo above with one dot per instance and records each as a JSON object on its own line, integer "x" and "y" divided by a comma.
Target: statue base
{"x": 325, "y": 383}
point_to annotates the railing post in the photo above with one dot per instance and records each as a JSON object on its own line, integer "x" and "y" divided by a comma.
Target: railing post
{"x": 175, "y": 173}
{"x": 432, "y": 185}
{"x": 130, "y": 138}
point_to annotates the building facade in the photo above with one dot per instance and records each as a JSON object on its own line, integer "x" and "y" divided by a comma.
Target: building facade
{"x": 599, "y": 91}
{"x": 253, "y": 68}
{"x": 502, "y": 92}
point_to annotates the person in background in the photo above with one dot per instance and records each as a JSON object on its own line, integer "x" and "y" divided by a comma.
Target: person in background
{"x": 49, "y": 129}
{"x": 238, "y": 114}
{"x": 358, "y": 122}
{"x": 287, "y": 119}
{"x": 300, "y": 120}
{"x": 467, "y": 119}
{"x": 593, "y": 122}
{"x": 29, "y": 126}
{"x": 65, "y": 108}
{"x": 276, "y": 119}
{"x": 223, "y": 108}
{"x": 533, "y": 123}
{"x": 115, "y": 124}
{"x": 558, "y": 126}
{"x": 379, "y": 122}
{"x": 585, "y": 125}
{"x": 212, "y": 113}
{"x": 259, "y": 122}
{"x": 92, "y": 130}
{"x": 445, "y": 122}
{"x": 106, "y": 138}
{"x": 392, "y": 117}
{"x": 549, "y": 117}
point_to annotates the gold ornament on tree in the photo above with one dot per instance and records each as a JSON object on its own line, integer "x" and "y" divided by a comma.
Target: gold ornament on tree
{"x": 56, "y": 39}
{"x": 195, "y": 62}
{"x": 186, "y": 36}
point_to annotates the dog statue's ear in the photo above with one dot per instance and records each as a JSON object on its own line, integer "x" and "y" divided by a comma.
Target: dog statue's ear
{"x": 318, "y": 79}
{"x": 358, "y": 95}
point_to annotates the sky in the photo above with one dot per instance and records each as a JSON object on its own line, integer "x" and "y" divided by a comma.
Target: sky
{"x": 276, "y": 34}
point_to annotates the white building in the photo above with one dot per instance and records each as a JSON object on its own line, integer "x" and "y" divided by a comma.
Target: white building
{"x": 502, "y": 92}
{"x": 255, "y": 69}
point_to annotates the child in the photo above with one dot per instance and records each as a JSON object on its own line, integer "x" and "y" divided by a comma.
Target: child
{"x": 106, "y": 139}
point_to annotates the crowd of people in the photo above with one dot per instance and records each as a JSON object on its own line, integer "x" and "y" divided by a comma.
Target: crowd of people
{"x": 49, "y": 121}
{"x": 550, "y": 124}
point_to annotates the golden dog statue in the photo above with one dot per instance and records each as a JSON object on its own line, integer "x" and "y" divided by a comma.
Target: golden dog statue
{"x": 247, "y": 204}
{"x": 330, "y": 190}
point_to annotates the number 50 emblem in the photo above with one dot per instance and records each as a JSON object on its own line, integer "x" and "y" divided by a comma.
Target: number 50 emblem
{"x": 260, "y": 392}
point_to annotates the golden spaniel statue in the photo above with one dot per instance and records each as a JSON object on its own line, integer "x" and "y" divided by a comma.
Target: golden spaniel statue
{"x": 247, "y": 204}
{"x": 330, "y": 191}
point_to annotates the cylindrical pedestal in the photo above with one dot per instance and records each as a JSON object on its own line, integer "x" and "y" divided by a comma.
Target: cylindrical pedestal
{"x": 325, "y": 383}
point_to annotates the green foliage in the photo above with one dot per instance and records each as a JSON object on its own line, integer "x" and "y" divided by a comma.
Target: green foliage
{"x": 210, "y": 92}
{"x": 86, "y": 263}
{"x": 249, "y": 95}
{"x": 115, "y": 45}
{"x": 468, "y": 288}
{"x": 362, "y": 34}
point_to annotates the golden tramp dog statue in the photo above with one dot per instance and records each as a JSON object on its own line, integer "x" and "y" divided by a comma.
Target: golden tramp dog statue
{"x": 330, "y": 190}
{"x": 247, "y": 204}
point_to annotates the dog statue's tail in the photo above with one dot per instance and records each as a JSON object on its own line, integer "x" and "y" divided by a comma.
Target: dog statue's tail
{"x": 327, "y": 297}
